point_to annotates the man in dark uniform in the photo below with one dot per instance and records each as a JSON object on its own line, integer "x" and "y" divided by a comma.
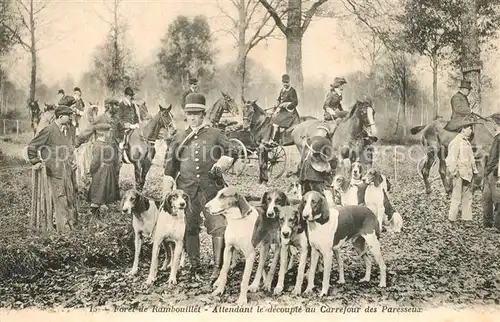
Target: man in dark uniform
{"x": 333, "y": 103}
{"x": 56, "y": 151}
{"x": 79, "y": 106}
{"x": 460, "y": 107}
{"x": 318, "y": 164}
{"x": 193, "y": 88}
{"x": 285, "y": 114}
{"x": 196, "y": 158}
{"x": 491, "y": 188}
{"x": 127, "y": 113}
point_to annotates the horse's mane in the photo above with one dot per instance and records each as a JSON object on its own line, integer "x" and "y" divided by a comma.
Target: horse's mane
{"x": 352, "y": 110}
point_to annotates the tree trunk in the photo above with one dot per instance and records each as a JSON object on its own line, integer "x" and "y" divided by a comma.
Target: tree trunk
{"x": 33, "y": 53}
{"x": 434, "y": 66}
{"x": 471, "y": 59}
{"x": 242, "y": 47}
{"x": 294, "y": 48}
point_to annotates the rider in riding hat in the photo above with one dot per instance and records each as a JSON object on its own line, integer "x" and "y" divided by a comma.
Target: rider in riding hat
{"x": 333, "y": 103}
{"x": 79, "y": 106}
{"x": 460, "y": 107}
{"x": 285, "y": 114}
{"x": 127, "y": 113}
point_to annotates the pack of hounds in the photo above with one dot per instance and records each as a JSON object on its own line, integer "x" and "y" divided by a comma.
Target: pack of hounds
{"x": 355, "y": 210}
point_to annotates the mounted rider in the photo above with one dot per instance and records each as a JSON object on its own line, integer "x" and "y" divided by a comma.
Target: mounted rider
{"x": 193, "y": 88}
{"x": 128, "y": 114}
{"x": 460, "y": 107}
{"x": 79, "y": 106}
{"x": 285, "y": 114}
{"x": 333, "y": 102}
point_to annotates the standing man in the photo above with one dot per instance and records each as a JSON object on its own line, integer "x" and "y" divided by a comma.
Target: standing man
{"x": 128, "y": 114}
{"x": 318, "y": 165}
{"x": 60, "y": 94}
{"x": 491, "y": 189}
{"x": 79, "y": 106}
{"x": 69, "y": 101}
{"x": 193, "y": 88}
{"x": 285, "y": 114}
{"x": 333, "y": 103}
{"x": 196, "y": 159}
{"x": 460, "y": 107}
{"x": 56, "y": 150}
{"x": 462, "y": 167}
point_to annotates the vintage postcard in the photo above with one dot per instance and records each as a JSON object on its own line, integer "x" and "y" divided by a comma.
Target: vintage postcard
{"x": 249, "y": 159}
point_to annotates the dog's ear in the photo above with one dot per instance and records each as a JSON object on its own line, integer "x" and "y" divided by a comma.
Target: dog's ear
{"x": 388, "y": 184}
{"x": 141, "y": 204}
{"x": 263, "y": 200}
{"x": 377, "y": 178}
{"x": 243, "y": 205}
{"x": 122, "y": 201}
{"x": 167, "y": 205}
{"x": 324, "y": 205}
{"x": 345, "y": 184}
{"x": 285, "y": 198}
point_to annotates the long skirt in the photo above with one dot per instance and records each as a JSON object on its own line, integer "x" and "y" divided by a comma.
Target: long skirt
{"x": 104, "y": 187}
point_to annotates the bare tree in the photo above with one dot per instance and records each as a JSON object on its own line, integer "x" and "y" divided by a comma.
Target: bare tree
{"x": 27, "y": 34}
{"x": 297, "y": 22}
{"x": 252, "y": 23}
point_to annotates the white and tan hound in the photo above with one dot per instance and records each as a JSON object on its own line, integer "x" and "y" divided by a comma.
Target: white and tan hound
{"x": 150, "y": 224}
{"x": 292, "y": 233}
{"x": 246, "y": 230}
{"x": 376, "y": 198}
{"x": 329, "y": 228}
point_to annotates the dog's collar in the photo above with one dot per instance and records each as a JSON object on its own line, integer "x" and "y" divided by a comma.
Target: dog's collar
{"x": 321, "y": 219}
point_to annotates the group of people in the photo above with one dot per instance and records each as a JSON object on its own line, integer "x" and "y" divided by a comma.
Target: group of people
{"x": 54, "y": 147}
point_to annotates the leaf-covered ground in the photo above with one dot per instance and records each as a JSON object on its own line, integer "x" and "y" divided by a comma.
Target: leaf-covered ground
{"x": 430, "y": 263}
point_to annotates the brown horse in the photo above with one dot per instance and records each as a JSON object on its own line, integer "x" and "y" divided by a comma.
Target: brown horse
{"x": 140, "y": 147}
{"x": 224, "y": 104}
{"x": 435, "y": 140}
{"x": 35, "y": 114}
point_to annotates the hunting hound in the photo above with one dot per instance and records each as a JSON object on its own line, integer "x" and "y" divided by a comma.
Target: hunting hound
{"x": 157, "y": 222}
{"x": 246, "y": 229}
{"x": 292, "y": 233}
{"x": 376, "y": 198}
{"x": 329, "y": 228}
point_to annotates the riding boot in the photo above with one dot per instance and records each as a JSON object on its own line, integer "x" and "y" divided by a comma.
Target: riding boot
{"x": 272, "y": 135}
{"x": 193, "y": 252}
{"x": 218, "y": 249}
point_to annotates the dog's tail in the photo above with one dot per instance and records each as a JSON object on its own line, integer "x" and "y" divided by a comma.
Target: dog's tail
{"x": 396, "y": 223}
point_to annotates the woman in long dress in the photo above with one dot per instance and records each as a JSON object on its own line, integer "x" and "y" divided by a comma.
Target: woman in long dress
{"x": 84, "y": 152}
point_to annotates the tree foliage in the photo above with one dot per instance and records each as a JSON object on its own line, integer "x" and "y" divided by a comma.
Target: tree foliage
{"x": 8, "y": 26}
{"x": 187, "y": 50}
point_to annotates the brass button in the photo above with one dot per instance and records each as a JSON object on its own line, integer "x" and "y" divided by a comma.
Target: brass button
{"x": 197, "y": 168}
{"x": 196, "y": 136}
{"x": 196, "y": 152}
{"x": 197, "y": 176}
{"x": 196, "y": 159}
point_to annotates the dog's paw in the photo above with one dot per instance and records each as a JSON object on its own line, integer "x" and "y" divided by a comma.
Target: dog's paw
{"x": 242, "y": 300}
{"x": 267, "y": 287}
{"x": 296, "y": 291}
{"x": 254, "y": 287}
{"x": 278, "y": 290}
{"x": 308, "y": 291}
{"x": 150, "y": 280}
{"x": 381, "y": 284}
{"x": 364, "y": 280}
{"x": 341, "y": 281}
{"x": 323, "y": 293}
{"x": 172, "y": 281}
{"x": 132, "y": 272}
{"x": 218, "y": 291}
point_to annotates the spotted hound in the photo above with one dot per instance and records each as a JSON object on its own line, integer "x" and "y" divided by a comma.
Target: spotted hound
{"x": 246, "y": 230}
{"x": 329, "y": 228}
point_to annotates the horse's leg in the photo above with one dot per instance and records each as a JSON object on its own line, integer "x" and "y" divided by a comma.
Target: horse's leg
{"x": 442, "y": 170}
{"x": 263, "y": 165}
{"x": 426, "y": 168}
{"x": 146, "y": 163}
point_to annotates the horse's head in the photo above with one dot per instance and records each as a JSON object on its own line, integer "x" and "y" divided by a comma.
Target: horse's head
{"x": 249, "y": 112}
{"x": 167, "y": 120}
{"x": 33, "y": 106}
{"x": 364, "y": 113}
{"x": 229, "y": 104}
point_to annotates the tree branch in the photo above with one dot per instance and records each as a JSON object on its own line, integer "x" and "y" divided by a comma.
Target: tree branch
{"x": 310, "y": 13}
{"x": 275, "y": 16}
{"x": 42, "y": 7}
{"x": 227, "y": 15}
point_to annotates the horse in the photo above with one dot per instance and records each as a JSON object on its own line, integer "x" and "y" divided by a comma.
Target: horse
{"x": 221, "y": 106}
{"x": 257, "y": 125}
{"x": 35, "y": 112}
{"x": 435, "y": 140}
{"x": 140, "y": 146}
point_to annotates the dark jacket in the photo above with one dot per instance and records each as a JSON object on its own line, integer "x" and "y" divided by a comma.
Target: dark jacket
{"x": 334, "y": 101}
{"x": 87, "y": 133}
{"x": 56, "y": 150}
{"x": 308, "y": 173}
{"x": 194, "y": 159}
{"x": 460, "y": 106}
{"x": 286, "y": 117}
{"x": 127, "y": 113}
{"x": 492, "y": 164}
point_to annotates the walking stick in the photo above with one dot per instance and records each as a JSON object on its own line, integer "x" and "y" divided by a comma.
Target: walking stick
{"x": 34, "y": 192}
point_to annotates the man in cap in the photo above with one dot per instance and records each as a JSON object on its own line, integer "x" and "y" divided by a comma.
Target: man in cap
{"x": 491, "y": 189}
{"x": 333, "y": 103}
{"x": 56, "y": 151}
{"x": 460, "y": 107}
{"x": 197, "y": 157}
{"x": 70, "y": 102}
{"x": 110, "y": 116}
{"x": 79, "y": 106}
{"x": 461, "y": 167}
{"x": 193, "y": 88}
{"x": 128, "y": 114}
{"x": 60, "y": 94}
{"x": 318, "y": 164}
{"x": 285, "y": 114}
